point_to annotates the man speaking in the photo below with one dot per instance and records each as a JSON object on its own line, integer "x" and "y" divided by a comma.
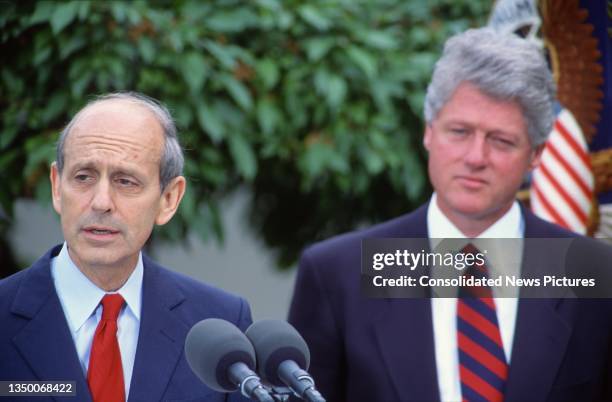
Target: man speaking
{"x": 488, "y": 112}
{"x": 95, "y": 310}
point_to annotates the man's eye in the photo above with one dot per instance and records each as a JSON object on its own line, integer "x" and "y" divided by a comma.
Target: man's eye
{"x": 82, "y": 177}
{"x": 502, "y": 142}
{"x": 126, "y": 182}
{"x": 458, "y": 131}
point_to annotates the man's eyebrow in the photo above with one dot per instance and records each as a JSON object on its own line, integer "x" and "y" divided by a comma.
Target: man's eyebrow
{"x": 83, "y": 165}
{"x": 114, "y": 170}
{"x": 126, "y": 172}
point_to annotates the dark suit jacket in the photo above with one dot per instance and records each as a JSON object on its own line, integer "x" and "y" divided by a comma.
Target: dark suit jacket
{"x": 382, "y": 349}
{"x": 35, "y": 341}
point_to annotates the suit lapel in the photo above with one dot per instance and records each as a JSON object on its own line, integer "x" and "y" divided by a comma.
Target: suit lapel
{"x": 540, "y": 341}
{"x": 404, "y": 333}
{"x": 160, "y": 341}
{"x": 542, "y": 334}
{"x": 45, "y": 341}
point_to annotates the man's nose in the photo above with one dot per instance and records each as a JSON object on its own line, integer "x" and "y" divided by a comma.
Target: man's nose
{"x": 476, "y": 152}
{"x": 103, "y": 197}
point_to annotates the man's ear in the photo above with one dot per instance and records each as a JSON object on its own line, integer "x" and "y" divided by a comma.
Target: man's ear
{"x": 536, "y": 157}
{"x": 171, "y": 199}
{"x": 54, "y": 176}
{"x": 427, "y": 136}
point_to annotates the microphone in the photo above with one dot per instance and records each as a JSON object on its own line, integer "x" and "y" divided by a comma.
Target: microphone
{"x": 223, "y": 358}
{"x": 283, "y": 357}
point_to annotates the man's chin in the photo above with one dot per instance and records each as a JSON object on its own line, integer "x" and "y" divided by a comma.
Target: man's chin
{"x": 473, "y": 208}
{"x": 93, "y": 257}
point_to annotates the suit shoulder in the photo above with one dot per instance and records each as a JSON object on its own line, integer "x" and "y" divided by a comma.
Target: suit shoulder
{"x": 202, "y": 300}
{"x": 538, "y": 227}
{"x": 11, "y": 282}
{"x": 9, "y": 287}
{"x": 193, "y": 288}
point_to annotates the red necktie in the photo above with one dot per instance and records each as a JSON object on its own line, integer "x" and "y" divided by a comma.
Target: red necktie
{"x": 482, "y": 363}
{"x": 105, "y": 373}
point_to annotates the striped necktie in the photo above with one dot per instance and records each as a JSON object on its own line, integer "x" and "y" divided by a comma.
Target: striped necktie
{"x": 482, "y": 363}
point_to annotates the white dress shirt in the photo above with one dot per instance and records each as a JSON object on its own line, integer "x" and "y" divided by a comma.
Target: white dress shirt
{"x": 444, "y": 310}
{"x": 80, "y": 299}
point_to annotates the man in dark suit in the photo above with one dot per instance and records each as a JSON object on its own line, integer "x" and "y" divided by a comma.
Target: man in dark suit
{"x": 488, "y": 112}
{"x": 96, "y": 310}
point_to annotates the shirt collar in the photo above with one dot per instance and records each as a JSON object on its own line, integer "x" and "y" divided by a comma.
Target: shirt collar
{"x": 80, "y": 297}
{"x": 510, "y": 225}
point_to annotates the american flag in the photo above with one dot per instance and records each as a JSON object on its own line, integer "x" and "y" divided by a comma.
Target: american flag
{"x": 562, "y": 185}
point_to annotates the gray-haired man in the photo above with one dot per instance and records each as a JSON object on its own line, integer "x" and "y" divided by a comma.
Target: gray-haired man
{"x": 488, "y": 112}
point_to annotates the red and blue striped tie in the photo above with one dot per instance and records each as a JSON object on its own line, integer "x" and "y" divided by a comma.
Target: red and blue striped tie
{"x": 482, "y": 363}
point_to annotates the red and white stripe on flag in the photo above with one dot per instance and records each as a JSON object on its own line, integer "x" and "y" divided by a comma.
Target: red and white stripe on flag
{"x": 562, "y": 186}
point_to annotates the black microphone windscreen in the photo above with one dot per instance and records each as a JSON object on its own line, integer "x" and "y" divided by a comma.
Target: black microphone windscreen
{"x": 276, "y": 341}
{"x": 212, "y": 346}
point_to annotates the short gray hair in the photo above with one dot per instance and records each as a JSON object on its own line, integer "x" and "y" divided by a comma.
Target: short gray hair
{"x": 172, "y": 161}
{"x": 504, "y": 67}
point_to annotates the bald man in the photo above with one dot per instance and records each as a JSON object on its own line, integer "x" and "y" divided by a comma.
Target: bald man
{"x": 95, "y": 310}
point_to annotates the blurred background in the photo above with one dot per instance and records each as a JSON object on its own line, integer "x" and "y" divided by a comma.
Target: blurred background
{"x": 299, "y": 119}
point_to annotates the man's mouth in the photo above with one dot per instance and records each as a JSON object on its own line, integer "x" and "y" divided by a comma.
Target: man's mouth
{"x": 471, "y": 181}
{"x": 97, "y": 230}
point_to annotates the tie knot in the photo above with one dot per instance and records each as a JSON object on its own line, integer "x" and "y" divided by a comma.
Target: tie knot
{"x": 470, "y": 249}
{"x": 111, "y": 306}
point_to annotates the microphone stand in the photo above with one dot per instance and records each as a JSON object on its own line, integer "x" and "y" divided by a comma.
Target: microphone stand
{"x": 281, "y": 394}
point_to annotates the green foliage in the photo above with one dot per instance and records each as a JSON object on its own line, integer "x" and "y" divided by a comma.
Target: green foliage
{"x": 315, "y": 105}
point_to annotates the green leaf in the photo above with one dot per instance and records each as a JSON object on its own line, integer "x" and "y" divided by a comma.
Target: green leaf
{"x": 272, "y": 5}
{"x": 416, "y": 100}
{"x": 319, "y": 157}
{"x": 74, "y": 43}
{"x": 238, "y": 92}
{"x": 183, "y": 114}
{"x": 231, "y": 21}
{"x": 41, "y": 56}
{"x": 54, "y": 107}
{"x": 7, "y": 158}
{"x": 12, "y": 82}
{"x": 312, "y": 16}
{"x": 332, "y": 86}
{"x": 194, "y": 69}
{"x": 364, "y": 60}
{"x": 63, "y": 15}
{"x": 189, "y": 205}
{"x": 215, "y": 174}
{"x": 373, "y": 162}
{"x": 267, "y": 70}
{"x": 312, "y": 162}
{"x": 119, "y": 10}
{"x": 379, "y": 40}
{"x": 210, "y": 122}
{"x": 83, "y": 9}
{"x": 39, "y": 150}
{"x": 221, "y": 53}
{"x": 146, "y": 47}
{"x": 317, "y": 48}
{"x": 7, "y": 136}
{"x": 243, "y": 156}
{"x": 414, "y": 176}
{"x": 176, "y": 41}
{"x": 79, "y": 85}
{"x": 42, "y": 12}
{"x": 268, "y": 115}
